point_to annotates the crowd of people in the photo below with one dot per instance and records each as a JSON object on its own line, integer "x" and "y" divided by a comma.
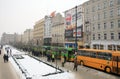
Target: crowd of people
{"x": 7, "y": 53}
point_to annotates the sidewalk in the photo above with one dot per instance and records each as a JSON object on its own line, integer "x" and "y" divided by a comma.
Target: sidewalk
{"x": 81, "y": 73}
{"x": 6, "y": 69}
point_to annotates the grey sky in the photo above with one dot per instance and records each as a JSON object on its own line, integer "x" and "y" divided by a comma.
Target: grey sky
{"x": 19, "y": 15}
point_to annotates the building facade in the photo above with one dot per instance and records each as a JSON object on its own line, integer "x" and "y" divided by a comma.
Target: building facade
{"x": 8, "y": 38}
{"x": 47, "y": 30}
{"x": 38, "y": 32}
{"x": 57, "y": 30}
{"x": 27, "y": 36}
{"x": 102, "y": 24}
{"x": 74, "y": 27}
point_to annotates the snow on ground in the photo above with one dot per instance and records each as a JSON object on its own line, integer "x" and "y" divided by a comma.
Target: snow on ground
{"x": 28, "y": 67}
{"x": 37, "y": 69}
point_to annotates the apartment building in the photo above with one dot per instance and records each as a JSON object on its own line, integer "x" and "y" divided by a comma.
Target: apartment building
{"x": 47, "y": 30}
{"x": 38, "y": 32}
{"x": 74, "y": 27}
{"x": 57, "y": 30}
{"x": 8, "y": 38}
{"x": 27, "y": 36}
{"x": 102, "y": 24}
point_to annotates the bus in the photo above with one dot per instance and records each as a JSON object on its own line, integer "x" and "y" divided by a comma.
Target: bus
{"x": 105, "y": 60}
{"x": 68, "y": 53}
{"x": 45, "y": 50}
{"x": 57, "y": 51}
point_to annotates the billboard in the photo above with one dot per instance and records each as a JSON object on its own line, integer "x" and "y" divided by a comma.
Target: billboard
{"x": 70, "y": 23}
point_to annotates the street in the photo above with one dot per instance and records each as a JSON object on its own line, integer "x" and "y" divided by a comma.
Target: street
{"x": 6, "y": 69}
{"x": 11, "y": 70}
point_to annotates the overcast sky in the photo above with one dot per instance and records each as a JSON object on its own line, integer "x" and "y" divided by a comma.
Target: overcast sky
{"x": 19, "y": 15}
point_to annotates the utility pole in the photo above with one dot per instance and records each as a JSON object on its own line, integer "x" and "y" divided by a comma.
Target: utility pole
{"x": 76, "y": 28}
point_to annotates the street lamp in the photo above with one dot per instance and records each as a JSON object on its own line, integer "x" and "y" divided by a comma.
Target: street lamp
{"x": 56, "y": 37}
{"x": 76, "y": 28}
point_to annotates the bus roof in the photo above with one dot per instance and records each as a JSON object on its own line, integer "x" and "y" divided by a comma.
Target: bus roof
{"x": 96, "y": 50}
{"x": 115, "y": 53}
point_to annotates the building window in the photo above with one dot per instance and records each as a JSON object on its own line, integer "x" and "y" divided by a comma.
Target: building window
{"x": 118, "y": 11}
{"x": 105, "y": 15}
{"x": 99, "y": 26}
{"x": 93, "y": 28}
{"x": 111, "y": 13}
{"x": 105, "y": 36}
{"x": 99, "y": 36}
{"x": 112, "y": 25}
{"x": 118, "y": 2}
{"x": 93, "y": 17}
{"x": 98, "y": 6}
{"x": 118, "y": 23}
{"x": 105, "y": 26}
{"x": 98, "y": 16}
{"x": 112, "y": 35}
{"x": 105, "y": 4}
{"x": 93, "y": 9}
{"x": 93, "y": 36}
{"x": 111, "y": 3}
{"x": 118, "y": 35}
{"x": 87, "y": 11}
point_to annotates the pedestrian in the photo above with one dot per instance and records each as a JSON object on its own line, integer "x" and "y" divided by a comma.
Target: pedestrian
{"x": 7, "y": 51}
{"x": 53, "y": 57}
{"x": 62, "y": 60}
{"x": 10, "y": 51}
{"x": 7, "y": 58}
{"x": 0, "y": 51}
{"x": 4, "y": 57}
{"x": 75, "y": 64}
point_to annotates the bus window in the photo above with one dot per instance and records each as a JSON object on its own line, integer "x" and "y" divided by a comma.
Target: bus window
{"x": 93, "y": 55}
{"x": 108, "y": 56}
{"x": 105, "y": 56}
{"x": 100, "y": 55}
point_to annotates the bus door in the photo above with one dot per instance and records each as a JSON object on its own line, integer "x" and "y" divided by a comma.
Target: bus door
{"x": 116, "y": 64}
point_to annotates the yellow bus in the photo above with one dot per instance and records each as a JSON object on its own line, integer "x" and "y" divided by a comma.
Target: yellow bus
{"x": 105, "y": 60}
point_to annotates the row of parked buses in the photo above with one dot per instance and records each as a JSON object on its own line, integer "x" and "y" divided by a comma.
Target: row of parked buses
{"x": 60, "y": 52}
{"x": 105, "y": 60}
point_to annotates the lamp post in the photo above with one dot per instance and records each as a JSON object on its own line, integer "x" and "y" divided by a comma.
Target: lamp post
{"x": 76, "y": 36}
{"x": 56, "y": 37}
{"x": 76, "y": 27}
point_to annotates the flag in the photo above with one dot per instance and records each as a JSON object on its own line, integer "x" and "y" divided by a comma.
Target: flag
{"x": 52, "y": 14}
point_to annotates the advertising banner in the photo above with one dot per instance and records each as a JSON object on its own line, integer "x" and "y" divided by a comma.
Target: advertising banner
{"x": 70, "y": 23}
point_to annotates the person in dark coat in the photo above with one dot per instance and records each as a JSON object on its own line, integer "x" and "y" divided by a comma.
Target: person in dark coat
{"x": 6, "y": 58}
{"x": 75, "y": 64}
{"x": 0, "y": 51}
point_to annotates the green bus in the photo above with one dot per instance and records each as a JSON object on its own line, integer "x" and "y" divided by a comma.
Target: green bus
{"x": 45, "y": 50}
{"x": 57, "y": 51}
{"x": 68, "y": 53}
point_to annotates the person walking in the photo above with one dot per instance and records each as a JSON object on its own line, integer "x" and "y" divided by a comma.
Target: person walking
{"x": 0, "y": 51}
{"x": 4, "y": 57}
{"x": 75, "y": 64}
{"x": 53, "y": 57}
{"x": 75, "y": 61}
{"x": 62, "y": 61}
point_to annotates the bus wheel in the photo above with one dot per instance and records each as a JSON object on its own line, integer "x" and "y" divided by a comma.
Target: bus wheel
{"x": 107, "y": 69}
{"x": 81, "y": 63}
